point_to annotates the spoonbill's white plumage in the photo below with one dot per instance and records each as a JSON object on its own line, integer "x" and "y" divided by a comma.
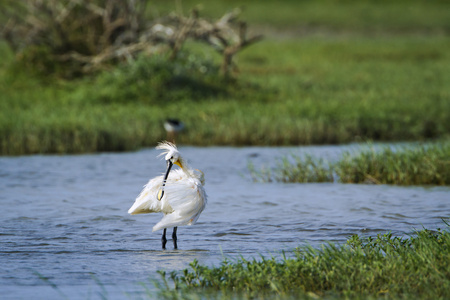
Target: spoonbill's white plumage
{"x": 178, "y": 194}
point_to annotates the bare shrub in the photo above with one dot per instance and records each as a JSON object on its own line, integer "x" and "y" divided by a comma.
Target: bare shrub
{"x": 83, "y": 36}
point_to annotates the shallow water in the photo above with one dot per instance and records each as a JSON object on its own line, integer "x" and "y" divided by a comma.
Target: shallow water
{"x": 65, "y": 231}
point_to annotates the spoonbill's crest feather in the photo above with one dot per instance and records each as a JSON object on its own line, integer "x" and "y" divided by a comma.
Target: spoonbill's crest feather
{"x": 170, "y": 150}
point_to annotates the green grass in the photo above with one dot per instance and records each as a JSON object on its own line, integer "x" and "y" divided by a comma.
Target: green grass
{"x": 306, "y": 16}
{"x": 319, "y": 89}
{"x": 295, "y": 169}
{"x": 384, "y": 267}
{"x": 409, "y": 166}
{"x": 412, "y": 165}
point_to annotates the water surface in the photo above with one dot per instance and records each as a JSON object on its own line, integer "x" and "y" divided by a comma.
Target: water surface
{"x": 64, "y": 220}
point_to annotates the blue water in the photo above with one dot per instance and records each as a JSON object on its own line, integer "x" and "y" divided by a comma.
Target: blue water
{"x": 65, "y": 231}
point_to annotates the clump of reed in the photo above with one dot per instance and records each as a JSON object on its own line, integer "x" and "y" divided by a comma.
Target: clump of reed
{"x": 386, "y": 266}
{"x": 295, "y": 169}
{"x": 420, "y": 165}
{"x": 408, "y": 166}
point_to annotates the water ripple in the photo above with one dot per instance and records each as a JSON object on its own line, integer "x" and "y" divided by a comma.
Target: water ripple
{"x": 65, "y": 217}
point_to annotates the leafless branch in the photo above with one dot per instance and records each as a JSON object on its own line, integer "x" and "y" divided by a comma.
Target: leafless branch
{"x": 91, "y": 34}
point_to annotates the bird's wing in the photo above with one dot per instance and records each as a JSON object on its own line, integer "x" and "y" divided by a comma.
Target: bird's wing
{"x": 187, "y": 198}
{"x": 147, "y": 201}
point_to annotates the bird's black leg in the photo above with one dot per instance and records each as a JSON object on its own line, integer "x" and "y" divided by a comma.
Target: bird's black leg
{"x": 163, "y": 239}
{"x": 174, "y": 238}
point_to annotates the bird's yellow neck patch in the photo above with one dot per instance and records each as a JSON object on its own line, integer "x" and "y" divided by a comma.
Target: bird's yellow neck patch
{"x": 160, "y": 194}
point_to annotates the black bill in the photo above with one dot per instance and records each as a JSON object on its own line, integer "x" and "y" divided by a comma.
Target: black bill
{"x": 161, "y": 190}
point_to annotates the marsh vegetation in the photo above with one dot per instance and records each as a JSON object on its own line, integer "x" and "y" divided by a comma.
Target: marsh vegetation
{"x": 318, "y": 77}
{"x": 402, "y": 165}
{"x": 385, "y": 267}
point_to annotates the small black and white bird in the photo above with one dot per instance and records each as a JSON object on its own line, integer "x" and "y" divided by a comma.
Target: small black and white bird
{"x": 173, "y": 126}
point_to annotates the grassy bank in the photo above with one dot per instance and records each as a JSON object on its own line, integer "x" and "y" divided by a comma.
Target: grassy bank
{"x": 383, "y": 267}
{"x": 383, "y": 82}
{"x": 306, "y": 16}
{"x": 413, "y": 165}
{"x": 333, "y": 92}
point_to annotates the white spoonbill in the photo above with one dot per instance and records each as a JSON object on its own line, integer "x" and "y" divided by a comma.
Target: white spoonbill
{"x": 179, "y": 194}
